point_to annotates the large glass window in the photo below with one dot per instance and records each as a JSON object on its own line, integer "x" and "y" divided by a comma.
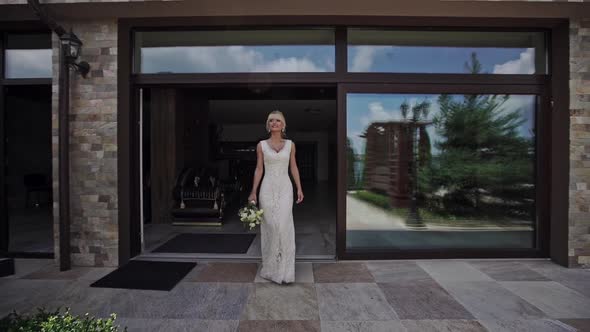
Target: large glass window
{"x": 28, "y": 56}
{"x": 446, "y": 51}
{"x": 235, "y": 51}
{"x": 440, "y": 171}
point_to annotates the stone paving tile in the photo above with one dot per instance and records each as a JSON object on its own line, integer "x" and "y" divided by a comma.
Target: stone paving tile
{"x": 24, "y": 266}
{"x": 226, "y": 272}
{"x": 194, "y": 273}
{"x": 353, "y": 302}
{"x": 453, "y": 271}
{"x": 427, "y": 296}
{"x": 538, "y": 325}
{"x": 280, "y": 325}
{"x": 443, "y": 325}
{"x": 341, "y": 272}
{"x": 579, "y": 324}
{"x": 269, "y": 301}
{"x": 303, "y": 273}
{"x": 102, "y": 302}
{"x": 489, "y": 300}
{"x": 508, "y": 271}
{"x": 26, "y": 295}
{"x": 554, "y": 299}
{"x": 213, "y": 301}
{"x": 397, "y": 271}
{"x": 422, "y": 299}
{"x": 362, "y": 326}
{"x": 96, "y": 273}
{"x": 52, "y": 272}
{"x": 576, "y": 279}
{"x": 177, "y": 325}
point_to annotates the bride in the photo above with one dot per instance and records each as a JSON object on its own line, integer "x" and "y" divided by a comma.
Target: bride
{"x": 275, "y": 156}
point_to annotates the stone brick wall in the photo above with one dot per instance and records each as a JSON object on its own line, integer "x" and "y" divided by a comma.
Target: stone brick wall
{"x": 93, "y": 147}
{"x": 579, "y": 209}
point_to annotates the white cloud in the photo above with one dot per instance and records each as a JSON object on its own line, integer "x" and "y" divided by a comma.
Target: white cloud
{"x": 364, "y": 57}
{"x": 289, "y": 65}
{"x": 222, "y": 59}
{"x": 524, "y": 65}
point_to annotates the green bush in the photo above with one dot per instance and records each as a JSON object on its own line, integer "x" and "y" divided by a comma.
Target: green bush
{"x": 374, "y": 198}
{"x": 44, "y": 321}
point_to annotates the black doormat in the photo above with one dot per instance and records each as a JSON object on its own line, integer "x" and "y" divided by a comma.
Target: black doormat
{"x": 146, "y": 275}
{"x": 208, "y": 243}
{"x": 6, "y": 267}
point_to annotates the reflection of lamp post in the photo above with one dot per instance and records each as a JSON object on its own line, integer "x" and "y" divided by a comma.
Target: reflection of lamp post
{"x": 419, "y": 112}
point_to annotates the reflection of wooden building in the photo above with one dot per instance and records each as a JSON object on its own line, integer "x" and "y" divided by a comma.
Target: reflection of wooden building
{"x": 388, "y": 159}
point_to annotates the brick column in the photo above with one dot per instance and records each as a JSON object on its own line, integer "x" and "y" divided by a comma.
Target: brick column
{"x": 93, "y": 147}
{"x": 579, "y": 194}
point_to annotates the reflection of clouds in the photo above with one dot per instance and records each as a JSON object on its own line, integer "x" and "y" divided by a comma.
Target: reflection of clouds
{"x": 289, "y": 65}
{"x": 223, "y": 59}
{"x": 28, "y": 63}
{"x": 525, "y": 105}
{"x": 524, "y": 65}
{"x": 364, "y": 57}
{"x": 377, "y": 113}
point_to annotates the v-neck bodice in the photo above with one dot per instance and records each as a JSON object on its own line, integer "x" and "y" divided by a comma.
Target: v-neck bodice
{"x": 273, "y": 149}
{"x": 276, "y": 163}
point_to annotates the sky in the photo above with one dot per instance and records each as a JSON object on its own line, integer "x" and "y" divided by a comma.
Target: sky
{"x": 298, "y": 58}
{"x": 321, "y": 58}
{"x": 28, "y": 63}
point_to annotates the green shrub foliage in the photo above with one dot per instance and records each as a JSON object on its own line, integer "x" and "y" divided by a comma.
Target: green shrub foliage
{"x": 57, "y": 321}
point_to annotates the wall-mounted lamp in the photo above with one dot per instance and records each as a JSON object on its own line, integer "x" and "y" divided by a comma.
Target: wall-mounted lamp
{"x": 71, "y": 48}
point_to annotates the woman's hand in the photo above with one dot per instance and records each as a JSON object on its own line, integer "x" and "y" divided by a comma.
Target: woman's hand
{"x": 299, "y": 196}
{"x": 252, "y": 198}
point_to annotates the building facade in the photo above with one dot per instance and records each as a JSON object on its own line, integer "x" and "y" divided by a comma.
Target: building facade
{"x": 120, "y": 43}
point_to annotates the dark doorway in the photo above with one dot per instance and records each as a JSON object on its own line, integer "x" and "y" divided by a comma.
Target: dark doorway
{"x": 28, "y": 169}
{"x": 189, "y": 134}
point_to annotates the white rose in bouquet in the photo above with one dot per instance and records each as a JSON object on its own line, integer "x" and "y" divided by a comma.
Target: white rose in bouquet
{"x": 251, "y": 215}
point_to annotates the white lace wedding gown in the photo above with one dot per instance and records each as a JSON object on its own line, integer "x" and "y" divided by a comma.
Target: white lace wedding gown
{"x": 277, "y": 229}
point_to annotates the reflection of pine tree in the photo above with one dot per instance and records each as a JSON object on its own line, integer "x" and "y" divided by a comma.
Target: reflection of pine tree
{"x": 481, "y": 155}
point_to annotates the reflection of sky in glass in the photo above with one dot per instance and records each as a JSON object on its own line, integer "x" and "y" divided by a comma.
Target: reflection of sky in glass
{"x": 404, "y": 59}
{"x": 28, "y": 63}
{"x": 365, "y": 108}
{"x": 227, "y": 59}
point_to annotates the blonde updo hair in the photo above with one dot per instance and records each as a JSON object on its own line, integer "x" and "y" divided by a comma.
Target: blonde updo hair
{"x": 276, "y": 114}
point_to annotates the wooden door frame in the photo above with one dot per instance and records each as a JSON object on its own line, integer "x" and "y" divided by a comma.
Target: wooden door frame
{"x": 6, "y": 28}
{"x": 542, "y": 170}
{"x": 556, "y": 30}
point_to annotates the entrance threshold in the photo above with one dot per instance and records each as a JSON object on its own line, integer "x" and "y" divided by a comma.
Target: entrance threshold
{"x": 183, "y": 257}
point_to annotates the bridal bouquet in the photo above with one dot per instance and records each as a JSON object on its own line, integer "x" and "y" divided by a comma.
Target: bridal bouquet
{"x": 250, "y": 214}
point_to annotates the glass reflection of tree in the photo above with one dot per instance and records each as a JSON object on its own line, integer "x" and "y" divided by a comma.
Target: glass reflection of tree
{"x": 484, "y": 168}
{"x": 416, "y": 121}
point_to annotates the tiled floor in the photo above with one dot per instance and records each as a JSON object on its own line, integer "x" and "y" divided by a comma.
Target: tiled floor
{"x": 436, "y": 295}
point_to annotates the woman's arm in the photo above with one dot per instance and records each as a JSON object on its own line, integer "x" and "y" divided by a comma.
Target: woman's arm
{"x": 295, "y": 172}
{"x": 257, "y": 173}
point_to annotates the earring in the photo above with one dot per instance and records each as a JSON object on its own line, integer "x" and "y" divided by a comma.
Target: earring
{"x": 283, "y": 130}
